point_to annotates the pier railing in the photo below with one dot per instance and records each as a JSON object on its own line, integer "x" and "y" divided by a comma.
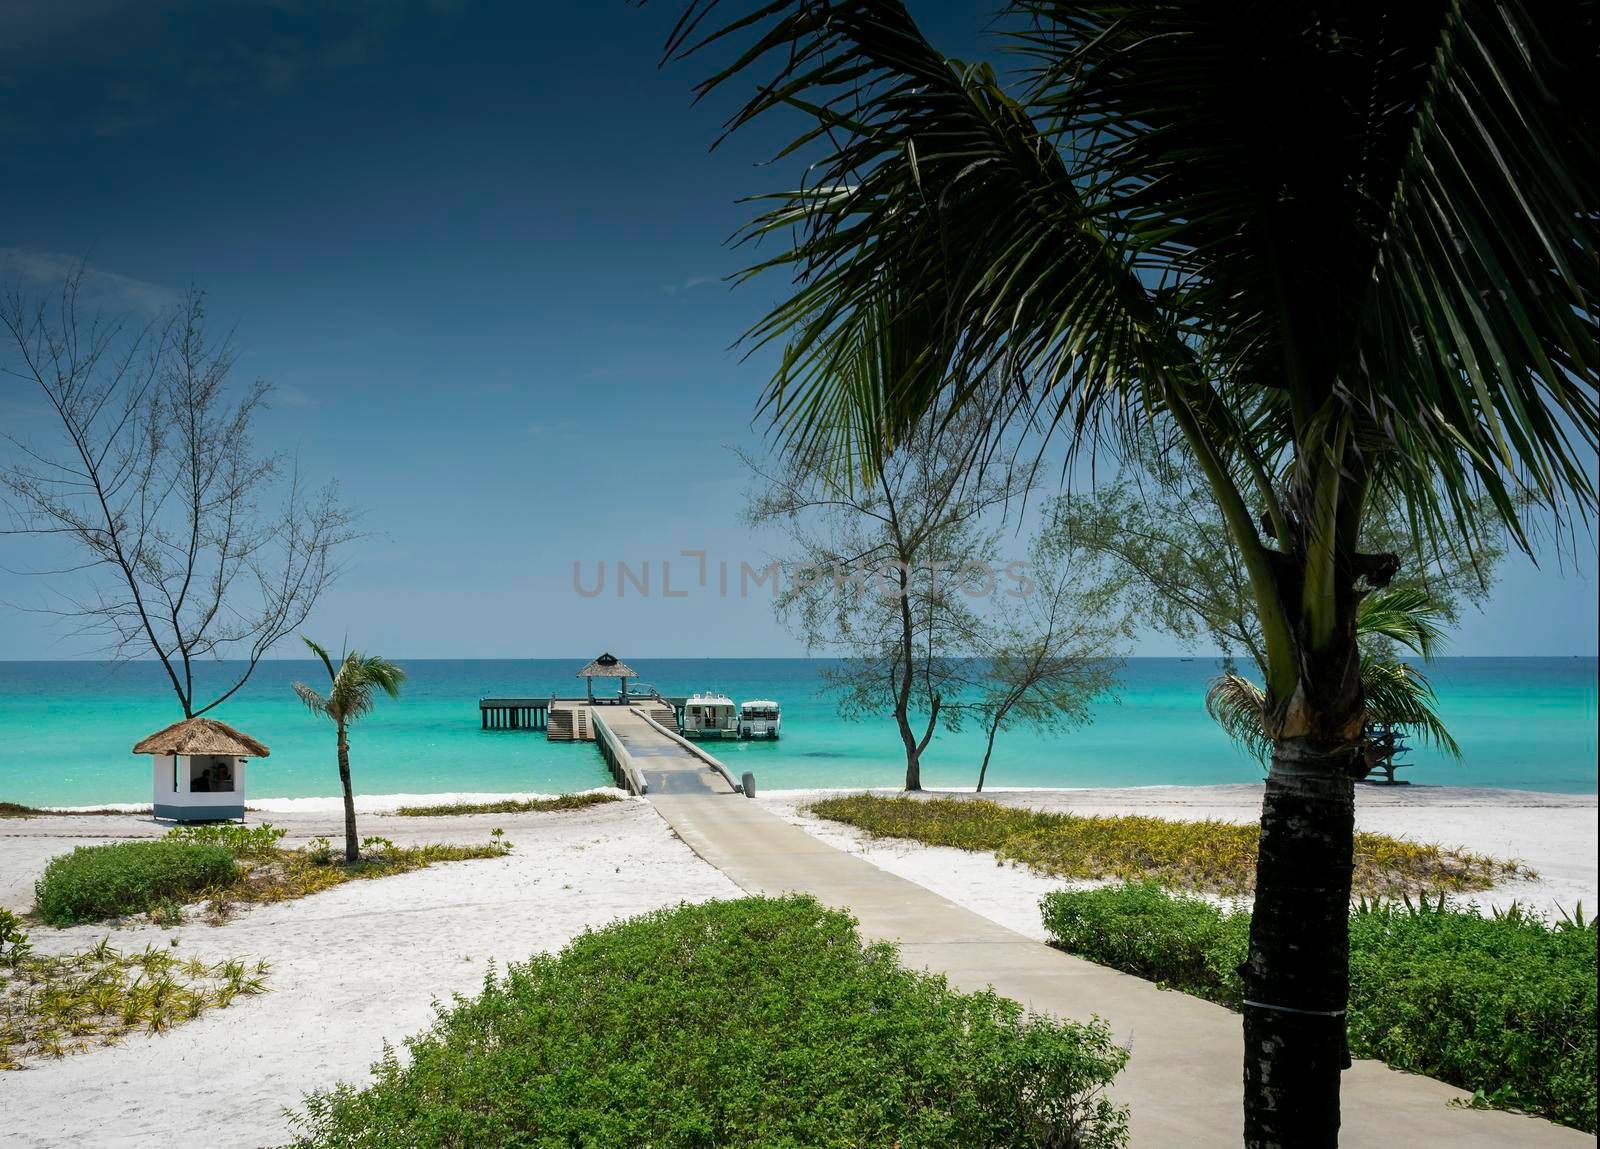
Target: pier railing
{"x": 623, "y": 771}
{"x": 534, "y": 713}
{"x": 514, "y": 713}
{"x": 715, "y": 764}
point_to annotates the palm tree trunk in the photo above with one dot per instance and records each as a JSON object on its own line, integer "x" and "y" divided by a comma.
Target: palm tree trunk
{"x": 352, "y": 850}
{"x": 1297, "y": 973}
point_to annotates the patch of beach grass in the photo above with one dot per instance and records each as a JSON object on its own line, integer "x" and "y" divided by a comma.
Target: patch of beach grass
{"x": 759, "y": 1021}
{"x": 60, "y": 1004}
{"x": 270, "y": 873}
{"x": 513, "y": 806}
{"x": 17, "y": 810}
{"x": 1206, "y": 857}
{"x": 278, "y": 875}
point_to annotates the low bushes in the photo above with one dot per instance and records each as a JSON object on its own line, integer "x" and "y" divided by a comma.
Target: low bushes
{"x": 1184, "y": 943}
{"x": 96, "y": 882}
{"x": 240, "y": 841}
{"x": 761, "y": 1022}
{"x": 225, "y": 866}
{"x": 1503, "y": 1006}
{"x": 514, "y": 806}
{"x": 1210, "y": 857}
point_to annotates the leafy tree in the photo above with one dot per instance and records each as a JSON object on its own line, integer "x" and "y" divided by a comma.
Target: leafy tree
{"x": 351, "y": 695}
{"x": 1160, "y": 522}
{"x": 1049, "y": 651}
{"x": 1351, "y": 254}
{"x": 891, "y": 573}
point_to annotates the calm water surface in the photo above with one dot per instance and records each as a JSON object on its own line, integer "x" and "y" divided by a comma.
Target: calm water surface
{"x": 66, "y": 729}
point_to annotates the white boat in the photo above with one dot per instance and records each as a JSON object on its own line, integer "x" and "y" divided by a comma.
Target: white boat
{"x": 759, "y": 718}
{"x": 710, "y": 716}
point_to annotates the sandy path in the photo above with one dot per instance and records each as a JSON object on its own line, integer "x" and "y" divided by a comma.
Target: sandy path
{"x": 351, "y": 967}
{"x": 1556, "y": 834}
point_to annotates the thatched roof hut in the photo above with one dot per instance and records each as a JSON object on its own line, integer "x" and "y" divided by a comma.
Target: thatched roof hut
{"x": 201, "y": 736}
{"x": 608, "y": 666}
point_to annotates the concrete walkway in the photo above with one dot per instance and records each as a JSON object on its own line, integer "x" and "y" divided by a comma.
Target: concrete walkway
{"x": 666, "y": 762}
{"x": 1182, "y": 1083}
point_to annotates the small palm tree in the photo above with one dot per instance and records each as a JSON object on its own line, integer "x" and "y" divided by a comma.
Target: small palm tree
{"x": 350, "y": 695}
{"x": 1396, "y": 693}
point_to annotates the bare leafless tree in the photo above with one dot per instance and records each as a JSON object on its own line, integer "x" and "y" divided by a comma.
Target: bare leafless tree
{"x": 189, "y": 544}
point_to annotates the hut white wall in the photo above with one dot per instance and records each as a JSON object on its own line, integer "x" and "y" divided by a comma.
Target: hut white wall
{"x": 165, "y": 790}
{"x": 181, "y": 802}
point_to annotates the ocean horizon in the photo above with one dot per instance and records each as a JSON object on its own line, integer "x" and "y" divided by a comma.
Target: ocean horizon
{"x": 67, "y": 728}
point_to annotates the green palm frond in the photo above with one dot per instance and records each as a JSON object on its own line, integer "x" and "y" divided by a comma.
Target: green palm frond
{"x": 314, "y": 701}
{"x": 1408, "y": 615}
{"x": 1396, "y": 693}
{"x": 1235, "y": 704}
{"x": 938, "y": 209}
{"x": 383, "y": 674}
{"x": 1400, "y": 695}
{"x": 1382, "y": 212}
{"x": 1483, "y": 312}
{"x": 1366, "y": 233}
{"x": 322, "y": 654}
{"x": 352, "y": 684}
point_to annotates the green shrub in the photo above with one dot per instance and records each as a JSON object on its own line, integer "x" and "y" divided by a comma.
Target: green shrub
{"x": 758, "y": 1022}
{"x": 1503, "y": 1005}
{"x": 1182, "y": 942}
{"x": 240, "y": 841}
{"x": 14, "y": 944}
{"x": 95, "y": 882}
{"x": 1208, "y": 856}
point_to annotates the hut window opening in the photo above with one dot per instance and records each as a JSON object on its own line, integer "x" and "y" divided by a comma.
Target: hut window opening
{"x": 210, "y": 775}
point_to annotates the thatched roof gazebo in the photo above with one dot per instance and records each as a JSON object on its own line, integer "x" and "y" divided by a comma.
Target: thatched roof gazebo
{"x": 199, "y": 769}
{"x": 202, "y": 736}
{"x": 607, "y": 665}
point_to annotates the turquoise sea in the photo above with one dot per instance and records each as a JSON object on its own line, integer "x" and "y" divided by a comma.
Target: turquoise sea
{"x": 66, "y": 729}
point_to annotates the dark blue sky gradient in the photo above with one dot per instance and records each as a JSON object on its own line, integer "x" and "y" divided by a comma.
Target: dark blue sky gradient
{"x": 478, "y": 249}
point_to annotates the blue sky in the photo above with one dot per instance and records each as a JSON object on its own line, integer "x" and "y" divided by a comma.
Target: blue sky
{"x": 479, "y": 252}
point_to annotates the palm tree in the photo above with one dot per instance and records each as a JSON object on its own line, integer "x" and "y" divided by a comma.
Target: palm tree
{"x": 350, "y": 695}
{"x": 1396, "y": 693}
{"x": 1348, "y": 252}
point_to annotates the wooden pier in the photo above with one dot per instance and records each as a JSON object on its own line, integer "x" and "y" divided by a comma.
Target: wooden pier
{"x": 645, "y": 757}
{"x": 636, "y": 730}
{"x": 514, "y": 713}
{"x": 557, "y": 717}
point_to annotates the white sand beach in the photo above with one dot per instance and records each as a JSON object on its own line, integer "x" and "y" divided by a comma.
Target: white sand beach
{"x": 360, "y": 964}
{"x": 351, "y": 967}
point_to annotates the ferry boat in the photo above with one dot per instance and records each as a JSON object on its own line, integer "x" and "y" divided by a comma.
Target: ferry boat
{"x": 759, "y": 718}
{"x": 710, "y": 716}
